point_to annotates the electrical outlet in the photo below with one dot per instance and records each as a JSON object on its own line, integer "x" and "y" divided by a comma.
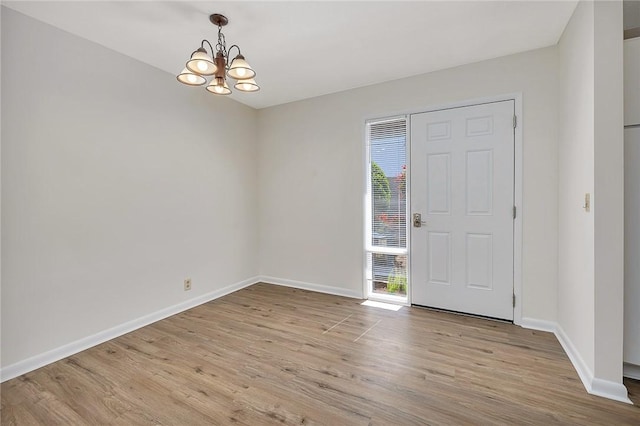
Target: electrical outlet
{"x": 187, "y": 284}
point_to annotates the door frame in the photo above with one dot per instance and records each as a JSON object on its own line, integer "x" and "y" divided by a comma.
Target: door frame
{"x": 517, "y": 196}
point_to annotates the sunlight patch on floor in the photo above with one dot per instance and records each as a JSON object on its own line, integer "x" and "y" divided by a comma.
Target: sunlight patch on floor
{"x": 382, "y": 305}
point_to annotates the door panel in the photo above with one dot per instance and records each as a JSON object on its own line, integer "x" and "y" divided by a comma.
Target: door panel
{"x": 479, "y": 186}
{"x": 462, "y": 179}
{"x": 438, "y": 183}
{"x": 439, "y": 258}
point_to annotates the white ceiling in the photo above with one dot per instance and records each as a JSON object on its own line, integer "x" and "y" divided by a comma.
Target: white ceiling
{"x": 305, "y": 49}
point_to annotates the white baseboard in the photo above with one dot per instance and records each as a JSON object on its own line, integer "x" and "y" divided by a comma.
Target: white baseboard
{"x": 631, "y": 371}
{"x": 536, "y": 324}
{"x": 593, "y": 385}
{"x": 583, "y": 370}
{"x": 338, "y": 291}
{"x": 40, "y": 360}
{"x": 611, "y": 390}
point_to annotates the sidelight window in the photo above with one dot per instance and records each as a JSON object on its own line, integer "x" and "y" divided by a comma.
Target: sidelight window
{"x": 386, "y": 209}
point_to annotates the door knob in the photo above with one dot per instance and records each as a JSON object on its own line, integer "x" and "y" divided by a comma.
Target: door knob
{"x": 417, "y": 220}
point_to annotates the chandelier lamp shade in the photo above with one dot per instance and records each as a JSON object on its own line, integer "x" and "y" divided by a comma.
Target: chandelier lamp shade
{"x": 203, "y": 64}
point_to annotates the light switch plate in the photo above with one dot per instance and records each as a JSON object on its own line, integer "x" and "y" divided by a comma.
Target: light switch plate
{"x": 587, "y": 202}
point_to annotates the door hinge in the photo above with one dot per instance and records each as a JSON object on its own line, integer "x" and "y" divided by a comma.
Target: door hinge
{"x": 514, "y": 300}
{"x": 515, "y": 121}
{"x": 514, "y": 212}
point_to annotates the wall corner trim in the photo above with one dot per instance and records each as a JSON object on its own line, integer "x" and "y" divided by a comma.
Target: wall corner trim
{"x": 593, "y": 385}
{"x": 609, "y": 389}
{"x": 40, "y": 360}
{"x": 337, "y": 291}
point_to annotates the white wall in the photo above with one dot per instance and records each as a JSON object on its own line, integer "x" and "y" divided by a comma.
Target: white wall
{"x": 632, "y": 251}
{"x": 632, "y": 81}
{"x": 312, "y": 172}
{"x": 632, "y": 206}
{"x": 576, "y": 177}
{"x": 591, "y": 269}
{"x": 631, "y": 12}
{"x": 117, "y": 183}
{"x": 609, "y": 191}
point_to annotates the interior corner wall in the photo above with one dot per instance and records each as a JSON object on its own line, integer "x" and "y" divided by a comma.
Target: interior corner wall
{"x": 591, "y": 243}
{"x": 576, "y": 279}
{"x": 312, "y": 172}
{"x": 609, "y": 190}
{"x": 117, "y": 183}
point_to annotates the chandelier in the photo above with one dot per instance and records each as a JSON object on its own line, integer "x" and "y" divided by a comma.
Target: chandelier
{"x": 201, "y": 64}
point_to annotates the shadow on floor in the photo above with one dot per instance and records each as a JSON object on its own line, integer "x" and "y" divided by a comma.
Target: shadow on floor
{"x": 633, "y": 386}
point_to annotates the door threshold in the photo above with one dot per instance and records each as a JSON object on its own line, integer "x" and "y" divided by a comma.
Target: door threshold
{"x": 466, "y": 314}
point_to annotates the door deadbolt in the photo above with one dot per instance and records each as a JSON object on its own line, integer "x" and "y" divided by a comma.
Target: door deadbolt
{"x": 417, "y": 220}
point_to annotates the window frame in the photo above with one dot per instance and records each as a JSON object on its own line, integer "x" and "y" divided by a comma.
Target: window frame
{"x": 369, "y": 247}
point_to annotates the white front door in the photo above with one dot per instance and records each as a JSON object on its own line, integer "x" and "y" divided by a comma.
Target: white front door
{"x": 462, "y": 182}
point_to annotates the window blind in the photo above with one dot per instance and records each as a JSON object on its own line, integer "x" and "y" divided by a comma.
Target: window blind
{"x": 386, "y": 142}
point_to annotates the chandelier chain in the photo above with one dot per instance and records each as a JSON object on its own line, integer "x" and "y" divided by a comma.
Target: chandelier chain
{"x": 222, "y": 43}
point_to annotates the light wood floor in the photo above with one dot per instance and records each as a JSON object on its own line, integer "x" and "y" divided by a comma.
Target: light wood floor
{"x": 274, "y": 355}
